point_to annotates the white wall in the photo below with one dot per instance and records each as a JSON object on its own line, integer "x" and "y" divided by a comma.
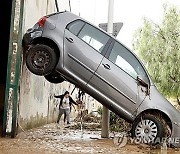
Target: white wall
{"x": 36, "y": 103}
{"x": 37, "y": 106}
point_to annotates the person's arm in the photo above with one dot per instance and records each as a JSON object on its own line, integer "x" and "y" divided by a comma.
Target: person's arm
{"x": 58, "y": 96}
{"x": 72, "y": 101}
{"x": 61, "y": 97}
{"x": 73, "y": 106}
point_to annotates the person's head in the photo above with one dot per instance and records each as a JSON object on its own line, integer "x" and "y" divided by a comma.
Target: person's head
{"x": 66, "y": 94}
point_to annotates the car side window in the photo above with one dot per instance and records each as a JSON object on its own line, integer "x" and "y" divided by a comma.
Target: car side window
{"x": 75, "y": 27}
{"x": 94, "y": 37}
{"x": 123, "y": 58}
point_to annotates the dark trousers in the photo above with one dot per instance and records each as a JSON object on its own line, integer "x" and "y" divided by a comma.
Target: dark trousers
{"x": 66, "y": 113}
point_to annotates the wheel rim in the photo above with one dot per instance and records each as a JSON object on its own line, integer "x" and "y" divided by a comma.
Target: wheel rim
{"x": 146, "y": 131}
{"x": 40, "y": 59}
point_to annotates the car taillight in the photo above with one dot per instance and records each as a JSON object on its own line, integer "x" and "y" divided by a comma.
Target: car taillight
{"x": 42, "y": 21}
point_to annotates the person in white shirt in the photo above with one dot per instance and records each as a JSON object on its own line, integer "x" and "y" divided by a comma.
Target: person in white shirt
{"x": 64, "y": 106}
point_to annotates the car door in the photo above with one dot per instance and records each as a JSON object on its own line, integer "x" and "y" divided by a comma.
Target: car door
{"x": 83, "y": 49}
{"x": 116, "y": 78}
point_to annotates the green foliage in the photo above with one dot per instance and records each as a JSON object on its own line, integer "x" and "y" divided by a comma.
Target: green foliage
{"x": 159, "y": 48}
{"x": 100, "y": 110}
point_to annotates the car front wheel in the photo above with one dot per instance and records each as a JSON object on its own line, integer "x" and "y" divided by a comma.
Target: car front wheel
{"x": 41, "y": 59}
{"x": 148, "y": 129}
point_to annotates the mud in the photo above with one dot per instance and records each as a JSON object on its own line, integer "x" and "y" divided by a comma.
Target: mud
{"x": 59, "y": 138}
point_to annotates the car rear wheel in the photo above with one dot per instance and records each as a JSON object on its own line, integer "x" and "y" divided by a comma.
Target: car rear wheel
{"x": 148, "y": 129}
{"x": 41, "y": 59}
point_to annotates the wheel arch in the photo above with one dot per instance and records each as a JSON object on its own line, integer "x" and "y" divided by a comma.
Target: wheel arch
{"x": 157, "y": 113}
{"x": 49, "y": 42}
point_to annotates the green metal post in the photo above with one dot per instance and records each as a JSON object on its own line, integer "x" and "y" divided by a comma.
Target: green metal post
{"x": 18, "y": 69}
{"x": 14, "y": 86}
{"x": 9, "y": 67}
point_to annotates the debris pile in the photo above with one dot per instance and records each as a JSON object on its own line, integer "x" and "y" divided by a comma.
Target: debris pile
{"x": 87, "y": 121}
{"x": 85, "y": 117}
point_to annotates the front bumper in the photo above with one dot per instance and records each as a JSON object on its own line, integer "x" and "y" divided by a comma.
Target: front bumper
{"x": 175, "y": 137}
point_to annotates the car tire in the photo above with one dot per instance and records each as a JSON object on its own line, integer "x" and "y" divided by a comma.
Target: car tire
{"x": 41, "y": 59}
{"x": 148, "y": 129}
{"x": 53, "y": 78}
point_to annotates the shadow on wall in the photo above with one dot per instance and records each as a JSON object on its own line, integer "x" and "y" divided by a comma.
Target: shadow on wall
{"x": 37, "y": 103}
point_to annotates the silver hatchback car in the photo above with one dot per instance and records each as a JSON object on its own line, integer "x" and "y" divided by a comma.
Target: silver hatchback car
{"x": 63, "y": 46}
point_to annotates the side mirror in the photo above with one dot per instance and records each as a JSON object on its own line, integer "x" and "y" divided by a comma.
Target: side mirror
{"x": 144, "y": 83}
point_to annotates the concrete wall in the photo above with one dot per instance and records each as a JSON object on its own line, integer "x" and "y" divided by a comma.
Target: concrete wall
{"x": 36, "y": 102}
{"x": 37, "y": 106}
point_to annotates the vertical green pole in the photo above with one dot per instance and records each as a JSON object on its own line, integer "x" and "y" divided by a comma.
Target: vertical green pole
{"x": 13, "y": 86}
{"x": 9, "y": 67}
{"x": 18, "y": 69}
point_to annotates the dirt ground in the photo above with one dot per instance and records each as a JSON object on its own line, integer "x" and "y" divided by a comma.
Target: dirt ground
{"x": 59, "y": 138}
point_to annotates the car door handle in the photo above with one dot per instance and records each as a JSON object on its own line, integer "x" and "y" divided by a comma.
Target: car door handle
{"x": 69, "y": 39}
{"x": 107, "y": 66}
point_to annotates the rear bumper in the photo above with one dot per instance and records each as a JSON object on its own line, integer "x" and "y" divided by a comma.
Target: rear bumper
{"x": 30, "y": 35}
{"x": 175, "y": 137}
{"x": 26, "y": 41}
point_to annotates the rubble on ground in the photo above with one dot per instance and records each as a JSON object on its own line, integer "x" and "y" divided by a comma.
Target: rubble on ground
{"x": 93, "y": 121}
{"x": 57, "y": 138}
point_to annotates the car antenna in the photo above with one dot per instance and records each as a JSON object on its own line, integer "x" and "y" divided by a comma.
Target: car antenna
{"x": 57, "y": 7}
